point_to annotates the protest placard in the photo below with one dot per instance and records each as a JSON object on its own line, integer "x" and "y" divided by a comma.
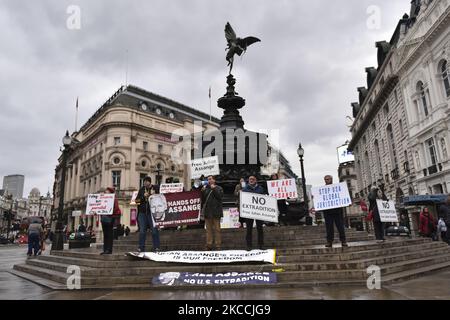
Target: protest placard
{"x": 331, "y": 196}
{"x": 176, "y": 209}
{"x": 100, "y": 204}
{"x": 171, "y": 187}
{"x": 230, "y": 219}
{"x": 259, "y": 207}
{"x": 282, "y": 189}
{"x": 205, "y": 166}
{"x": 189, "y": 278}
{"x": 387, "y": 211}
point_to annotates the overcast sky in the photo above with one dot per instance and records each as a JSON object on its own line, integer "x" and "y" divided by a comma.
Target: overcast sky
{"x": 300, "y": 79}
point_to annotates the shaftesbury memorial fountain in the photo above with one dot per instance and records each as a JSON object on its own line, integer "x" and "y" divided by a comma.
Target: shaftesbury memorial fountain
{"x": 241, "y": 152}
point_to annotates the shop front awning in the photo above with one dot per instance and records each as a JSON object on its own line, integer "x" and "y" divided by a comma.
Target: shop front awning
{"x": 424, "y": 199}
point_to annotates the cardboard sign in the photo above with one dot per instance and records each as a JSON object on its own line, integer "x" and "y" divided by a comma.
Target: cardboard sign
{"x": 206, "y": 167}
{"x": 171, "y": 187}
{"x": 282, "y": 189}
{"x": 258, "y": 206}
{"x": 188, "y": 278}
{"x": 331, "y": 196}
{"x": 176, "y": 209}
{"x": 100, "y": 204}
{"x": 133, "y": 198}
{"x": 387, "y": 211}
{"x": 226, "y": 256}
{"x": 230, "y": 219}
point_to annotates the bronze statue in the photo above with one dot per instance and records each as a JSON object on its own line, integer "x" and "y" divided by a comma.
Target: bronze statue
{"x": 236, "y": 45}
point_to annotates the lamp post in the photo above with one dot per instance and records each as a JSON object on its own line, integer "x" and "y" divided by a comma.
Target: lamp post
{"x": 58, "y": 241}
{"x": 301, "y": 152}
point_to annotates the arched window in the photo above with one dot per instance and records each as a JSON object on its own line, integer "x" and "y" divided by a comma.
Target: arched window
{"x": 423, "y": 97}
{"x": 392, "y": 149}
{"x": 445, "y": 77}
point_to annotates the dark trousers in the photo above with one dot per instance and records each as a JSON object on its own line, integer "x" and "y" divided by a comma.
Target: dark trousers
{"x": 444, "y": 236}
{"x": 146, "y": 222}
{"x": 108, "y": 235}
{"x": 259, "y": 229}
{"x": 332, "y": 219}
{"x": 33, "y": 243}
{"x": 379, "y": 230}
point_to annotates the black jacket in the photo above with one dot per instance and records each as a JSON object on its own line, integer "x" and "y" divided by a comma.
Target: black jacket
{"x": 444, "y": 212}
{"x": 212, "y": 202}
{"x": 142, "y": 201}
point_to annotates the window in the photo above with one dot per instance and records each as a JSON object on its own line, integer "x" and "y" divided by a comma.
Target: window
{"x": 116, "y": 179}
{"x": 347, "y": 172}
{"x": 160, "y": 148}
{"x": 386, "y": 110}
{"x": 431, "y": 151}
{"x": 423, "y": 98}
{"x": 116, "y": 141}
{"x": 445, "y": 78}
{"x": 143, "y": 163}
{"x": 145, "y": 145}
{"x": 377, "y": 152}
{"x": 400, "y": 125}
{"x": 141, "y": 179}
{"x": 395, "y": 95}
{"x": 392, "y": 149}
{"x": 116, "y": 160}
{"x": 374, "y": 127}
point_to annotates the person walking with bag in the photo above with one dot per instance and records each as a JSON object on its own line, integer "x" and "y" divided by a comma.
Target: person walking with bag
{"x": 212, "y": 211}
{"x": 108, "y": 224}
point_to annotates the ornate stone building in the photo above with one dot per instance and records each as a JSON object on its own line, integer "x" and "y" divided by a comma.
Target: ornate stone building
{"x": 39, "y": 205}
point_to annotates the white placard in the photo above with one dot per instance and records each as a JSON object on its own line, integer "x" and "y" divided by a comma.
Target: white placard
{"x": 206, "y": 167}
{"x": 76, "y": 213}
{"x": 282, "y": 189}
{"x": 171, "y": 187}
{"x": 387, "y": 211}
{"x": 133, "y": 198}
{"x": 230, "y": 219}
{"x": 225, "y": 256}
{"x": 100, "y": 204}
{"x": 258, "y": 206}
{"x": 331, "y": 196}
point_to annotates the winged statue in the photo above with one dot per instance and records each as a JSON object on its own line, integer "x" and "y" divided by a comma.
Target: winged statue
{"x": 236, "y": 45}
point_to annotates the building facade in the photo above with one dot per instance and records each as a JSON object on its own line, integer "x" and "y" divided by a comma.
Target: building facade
{"x": 400, "y": 131}
{"x": 39, "y": 206}
{"x": 13, "y": 184}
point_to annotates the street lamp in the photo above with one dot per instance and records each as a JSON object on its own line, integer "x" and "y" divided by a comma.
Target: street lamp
{"x": 301, "y": 152}
{"x": 58, "y": 241}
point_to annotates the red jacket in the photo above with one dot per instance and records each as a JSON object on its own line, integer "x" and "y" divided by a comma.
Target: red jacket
{"x": 116, "y": 210}
{"x": 427, "y": 224}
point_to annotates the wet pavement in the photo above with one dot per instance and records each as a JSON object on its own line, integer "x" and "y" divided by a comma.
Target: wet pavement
{"x": 435, "y": 286}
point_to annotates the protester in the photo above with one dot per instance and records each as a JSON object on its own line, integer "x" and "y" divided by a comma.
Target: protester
{"x": 442, "y": 229}
{"x": 145, "y": 217}
{"x": 427, "y": 224}
{"x": 377, "y": 194}
{"x": 237, "y": 190}
{"x": 212, "y": 195}
{"x": 108, "y": 224}
{"x": 35, "y": 233}
{"x": 254, "y": 187}
{"x": 444, "y": 212}
{"x": 334, "y": 217}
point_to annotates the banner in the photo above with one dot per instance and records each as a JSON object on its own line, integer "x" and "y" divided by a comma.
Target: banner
{"x": 206, "y": 167}
{"x": 230, "y": 219}
{"x": 100, "y": 204}
{"x": 331, "y": 196}
{"x": 282, "y": 189}
{"x": 176, "y": 209}
{"x": 387, "y": 211}
{"x": 188, "y": 278}
{"x": 171, "y": 187}
{"x": 133, "y": 198}
{"x": 226, "y": 256}
{"x": 259, "y": 207}
{"x": 76, "y": 213}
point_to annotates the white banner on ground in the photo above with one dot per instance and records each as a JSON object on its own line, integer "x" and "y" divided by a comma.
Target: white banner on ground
{"x": 101, "y": 204}
{"x": 387, "y": 211}
{"x": 331, "y": 196}
{"x": 282, "y": 189}
{"x": 205, "y": 166}
{"x": 171, "y": 187}
{"x": 259, "y": 207}
{"x": 226, "y": 256}
{"x": 230, "y": 219}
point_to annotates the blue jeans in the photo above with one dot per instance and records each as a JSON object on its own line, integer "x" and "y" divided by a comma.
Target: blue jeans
{"x": 145, "y": 222}
{"x": 33, "y": 243}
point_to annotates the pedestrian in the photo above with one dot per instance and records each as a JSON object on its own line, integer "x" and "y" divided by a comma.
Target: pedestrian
{"x": 442, "y": 229}
{"x": 379, "y": 227}
{"x": 427, "y": 224}
{"x": 212, "y": 210}
{"x": 81, "y": 227}
{"x": 127, "y": 231}
{"x": 254, "y": 187}
{"x": 334, "y": 217}
{"x": 444, "y": 212}
{"x": 35, "y": 233}
{"x": 108, "y": 224}
{"x": 237, "y": 190}
{"x": 145, "y": 217}
{"x": 404, "y": 220}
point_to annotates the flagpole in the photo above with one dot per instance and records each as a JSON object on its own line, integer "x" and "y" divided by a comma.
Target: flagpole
{"x": 76, "y": 116}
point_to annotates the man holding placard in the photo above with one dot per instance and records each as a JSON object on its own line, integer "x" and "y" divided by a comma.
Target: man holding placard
{"x": 331, "y": 199}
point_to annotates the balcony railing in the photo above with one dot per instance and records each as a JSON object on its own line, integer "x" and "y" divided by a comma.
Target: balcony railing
{"x": 433, "y": 169}
{"x": 394, "y": 174}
